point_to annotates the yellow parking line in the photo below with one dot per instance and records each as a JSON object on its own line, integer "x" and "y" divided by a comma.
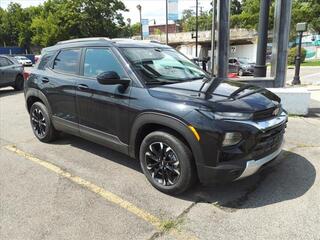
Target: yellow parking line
{"x": 109, "y": 196}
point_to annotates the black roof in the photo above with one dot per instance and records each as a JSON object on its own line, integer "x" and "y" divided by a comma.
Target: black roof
{"x": 101, "y": 41}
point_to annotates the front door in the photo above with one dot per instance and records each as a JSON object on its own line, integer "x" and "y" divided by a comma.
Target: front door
{"x": 103, "y": 113}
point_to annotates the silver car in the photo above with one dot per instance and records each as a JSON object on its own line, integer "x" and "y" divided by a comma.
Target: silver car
{"x": 11, "y": 73}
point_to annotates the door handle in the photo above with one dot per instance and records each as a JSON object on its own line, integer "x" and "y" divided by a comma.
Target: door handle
{"x": 83, "y": 87}
{"x": 45, "y": 80}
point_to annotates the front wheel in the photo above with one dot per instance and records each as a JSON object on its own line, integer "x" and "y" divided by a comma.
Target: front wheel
{"x": 41, "y": 123}
{"x": 167, "y": 162}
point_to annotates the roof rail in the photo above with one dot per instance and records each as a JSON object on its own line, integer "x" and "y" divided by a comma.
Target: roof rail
{"x": 152, "y": 41}
{"x": 122, "y": 39}
{"x": 83, "y": 40}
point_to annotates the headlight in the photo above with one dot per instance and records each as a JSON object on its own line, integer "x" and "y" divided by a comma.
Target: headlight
{"x": 231, "y": 138}
{"x": 232, "y": 115}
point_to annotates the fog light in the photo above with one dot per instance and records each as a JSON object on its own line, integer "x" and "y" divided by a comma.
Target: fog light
{"x": 231, "y": 138}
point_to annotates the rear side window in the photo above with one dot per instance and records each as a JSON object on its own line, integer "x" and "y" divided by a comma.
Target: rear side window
{"x": 99, "y": 60}
{"x": 5, "y": 62}
{"x": 67, "y": 61}
{"x": 45, "y": 60}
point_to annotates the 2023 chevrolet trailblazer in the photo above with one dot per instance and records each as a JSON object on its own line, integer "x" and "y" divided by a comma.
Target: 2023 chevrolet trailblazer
{"x": 148, "y": 101}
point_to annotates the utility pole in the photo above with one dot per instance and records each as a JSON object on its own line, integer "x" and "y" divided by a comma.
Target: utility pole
{"x": 141, "y": 31}
{"x": 260, "y": 69}
{"x": 223, "y": 38}
{"x": 129, "y": 23}
{"x": 197, "y": 27}
{"x": 213, "y": 37}
{"x": 167, "y": 34}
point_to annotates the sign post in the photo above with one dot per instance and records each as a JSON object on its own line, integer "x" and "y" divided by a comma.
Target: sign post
{"x": 145, "y": 27}
{"x": 171, "y": 14}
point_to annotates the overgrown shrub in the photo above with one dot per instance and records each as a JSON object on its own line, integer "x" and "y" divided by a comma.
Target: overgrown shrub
{"x": 292, "y": 55}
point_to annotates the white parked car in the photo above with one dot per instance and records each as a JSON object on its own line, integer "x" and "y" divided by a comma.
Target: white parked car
{"x": 23, "y": 60}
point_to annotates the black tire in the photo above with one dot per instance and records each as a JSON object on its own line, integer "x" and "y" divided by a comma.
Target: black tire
{"x": 41, "y": 123}
{"x": 241, "y": 72}
{"x": 170, "y": 181}
{"x": 19, "y": 83}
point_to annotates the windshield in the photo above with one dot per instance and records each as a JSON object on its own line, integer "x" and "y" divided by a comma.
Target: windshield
{"x": 22, "y": 58}
{"x": 163, "y": 66}
{"x": 244, "y": 61}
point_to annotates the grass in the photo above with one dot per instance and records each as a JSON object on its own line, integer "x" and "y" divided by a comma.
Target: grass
{"x": 170, "y": 224}
{"x": 309, "y": 64}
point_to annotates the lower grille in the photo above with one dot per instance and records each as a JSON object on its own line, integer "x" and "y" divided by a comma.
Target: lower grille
{"x": 269, "y": 141}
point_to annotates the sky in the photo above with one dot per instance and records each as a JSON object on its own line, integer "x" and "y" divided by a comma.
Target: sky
{"x": 151, "y": 9}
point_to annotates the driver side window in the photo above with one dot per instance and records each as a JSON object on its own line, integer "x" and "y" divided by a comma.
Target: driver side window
{"x": 99, "y": 60}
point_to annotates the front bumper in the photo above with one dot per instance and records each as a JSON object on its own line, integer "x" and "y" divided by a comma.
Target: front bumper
{"x": 253, "y": 166}
{"x": 247, "y": 164}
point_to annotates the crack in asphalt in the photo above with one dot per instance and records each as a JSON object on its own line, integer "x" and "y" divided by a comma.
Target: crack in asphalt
{"x": 176, "y": 222}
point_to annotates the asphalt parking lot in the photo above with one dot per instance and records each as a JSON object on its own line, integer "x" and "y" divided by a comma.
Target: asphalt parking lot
{"x": 74, "y": 189}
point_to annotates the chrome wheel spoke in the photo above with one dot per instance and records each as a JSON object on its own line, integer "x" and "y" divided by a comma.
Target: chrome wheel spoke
{"x": 38, "y": 122}
{"x": 162, "y": 163}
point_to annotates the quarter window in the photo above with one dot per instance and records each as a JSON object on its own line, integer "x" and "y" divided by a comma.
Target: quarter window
{"x": 99, "y": 60}
{"x": 5, "y": 62}
{"x": 67, "y": 61}
{"x": 44, "y": 61}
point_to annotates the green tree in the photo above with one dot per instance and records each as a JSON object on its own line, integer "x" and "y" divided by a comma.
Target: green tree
{"x": 306, "y": 11}
{"x": 189, "y": 21}
{"x": 135, "y": 29}
{"x": 66, "y": 19}
{"x": 236, "y": 7}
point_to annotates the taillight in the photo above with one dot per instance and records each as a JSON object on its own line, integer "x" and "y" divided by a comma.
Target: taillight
{"x": 26, "y": 75}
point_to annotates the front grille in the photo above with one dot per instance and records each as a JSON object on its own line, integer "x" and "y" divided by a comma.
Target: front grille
{"x": 269, "y": 141}
{"x": 264, "y": 114}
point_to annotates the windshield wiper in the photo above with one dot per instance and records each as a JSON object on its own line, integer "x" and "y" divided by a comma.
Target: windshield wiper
{"x": 205, "y": 81}
{"x": 160, "y": 82}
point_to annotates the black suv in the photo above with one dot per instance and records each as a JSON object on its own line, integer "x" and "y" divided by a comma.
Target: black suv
{"x": 148, "y": 101}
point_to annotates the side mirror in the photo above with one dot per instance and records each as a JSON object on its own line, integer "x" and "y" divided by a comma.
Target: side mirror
{"x": 111, "y": 78}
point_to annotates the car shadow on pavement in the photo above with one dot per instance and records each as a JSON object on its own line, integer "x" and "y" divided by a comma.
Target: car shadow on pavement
{"x": 98, "y": 150}
{"x": 289, "y": 177}
{"x": 314, "y": 109}
{"x": 8, "y": 92}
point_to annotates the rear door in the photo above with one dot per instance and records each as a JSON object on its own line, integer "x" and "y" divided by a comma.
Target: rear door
{"x": 58, "y": 84}
{"x": 4, "y": 71}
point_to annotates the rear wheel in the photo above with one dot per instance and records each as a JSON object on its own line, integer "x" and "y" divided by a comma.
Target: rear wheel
{"x": 18, "y": 86}
{"x": 41, "y": 123}
{"x": 167, "y": 162}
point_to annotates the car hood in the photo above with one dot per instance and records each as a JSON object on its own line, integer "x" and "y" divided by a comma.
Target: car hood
{"x": 229, "y": 96}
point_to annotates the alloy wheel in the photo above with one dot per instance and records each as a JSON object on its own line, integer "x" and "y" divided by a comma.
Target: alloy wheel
{"x": 162, "y": 164}
{"x": 38, "y": 122}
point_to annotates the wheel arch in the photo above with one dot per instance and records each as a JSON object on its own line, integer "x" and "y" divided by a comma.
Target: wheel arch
{"x": 148, "y": 122}
{"x": 33, "y": 95}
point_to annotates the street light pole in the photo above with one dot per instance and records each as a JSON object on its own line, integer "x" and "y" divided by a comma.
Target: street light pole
{"x": 141, "y": 31}
{"x": 301, "y": 27}
{"x": 296, "y": 78}
{"x": 213, "y": 37}
{"x": 197, "y": 27}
